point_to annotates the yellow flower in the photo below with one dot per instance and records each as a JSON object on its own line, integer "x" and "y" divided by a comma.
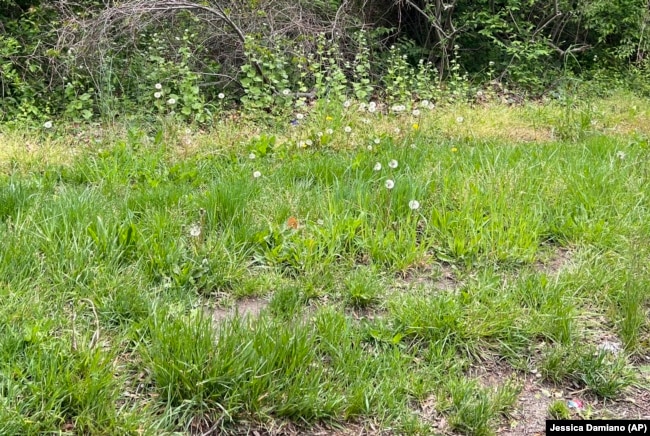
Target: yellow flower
{"x": 328, "y": 118}
{"x": 454, "y": 149}
{"x": 416, "y": 126}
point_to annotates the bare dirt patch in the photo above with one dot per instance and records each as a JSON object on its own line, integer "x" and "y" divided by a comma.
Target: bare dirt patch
{"x": 555, "y": 261}
{"x": 249, "y": 307}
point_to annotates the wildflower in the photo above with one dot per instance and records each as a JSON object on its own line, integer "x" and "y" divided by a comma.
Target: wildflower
{"x": 221, "y": 96}
{"x": 377, "y": 141}
{"x": 299, "y": 116}
{"x": 372, "y": 107}
{"x": 251, "y": 156}
{"x": 365, "y": 120}
{"x": 157, "y": 94}
{"x": 454, "y": 149}
{"x": 460, "y": 120}
{"x": 491, "y": 63}
{"x": 620, "y": 155}
{"x": 328, "y": 118}
{"x": 309, "y": 142}
{"x": 329, "y": 131}
{"x": 347, "y": 129}
{"x": 416, "y": 112}
{"x": 414, "y": 204}
{"x": 347, "y": 103}
{"x": 257, "y": 174}
{"x": 377, "y": 167}
{"x": 48, "y": 125}
{"x": 195, "y": 230}
{"x": 158, "y": 86}
{"x": 302, "y": 144}
{"x": 416, "y": 126}
{"x": 397, "y": 130}
{"x": 398, "y": 108}
{"x": 319, "y": 134}
{"x": 393, "y": 164}
{"x": 171, "y": 101}
{"x": 389, "y": 184}
{"x": 370, "y": 148}
{"x": 286, "y": 92}
{"x": 424, "y": 104}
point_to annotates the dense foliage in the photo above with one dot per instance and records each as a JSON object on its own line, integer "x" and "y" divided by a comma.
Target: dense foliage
{"x": 89, "y": 58}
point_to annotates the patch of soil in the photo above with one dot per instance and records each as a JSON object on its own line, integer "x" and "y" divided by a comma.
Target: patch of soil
{"x": 249, "y": 307}
{"x": 446, "y": 281}
{"x": 556, "y": 262}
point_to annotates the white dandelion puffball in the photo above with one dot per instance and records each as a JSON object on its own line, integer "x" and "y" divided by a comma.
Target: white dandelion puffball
{"x": 171, "y": 101}
{"x": 195, "y": 230}
{"x": 393, "y": 164}
{"x": 377, "y": 167}
{"x": 347, "y": 103}
{"x": 370, "y": 148}
{"x": 347, "y": 129}
{"x": 221, "y": 96}
{"x": 460, "y": 120}
{"x": 414, "y": 204}
{"x": 389, "y": 184}
{"x": 620, "y": 155}
{"x": 286, "y": 92}
{"x": 424, "y": 104}
{"x": 48, "y": 124}
{"x": 257, "y": 174}
{"x": 299, "y": 116}
{"x": 397, "y": 130}
{"x": 329, "y": 131}
{"x": 158, "y": 86}
{"x": 377, "y": 141}
{"x": 157, "y": 94}
{"x": 372, "y": 107}
{"x": 398, "y": 108}
{"x": 251, "y": 156}
{"x": 416, "y": 112}
{"x": 309, "y": 142}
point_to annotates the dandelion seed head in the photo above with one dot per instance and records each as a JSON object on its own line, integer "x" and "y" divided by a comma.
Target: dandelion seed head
{"x": 195, "y": 230}
{"x": 389, "y": 184}
{"x": 377, "y": 167}
{"x": 48, "y": 125}
{"x": 347, "y": 129}
{"x": 157, "y": 95}
{"x": 299, "y": 116}
{"x": 171, "y": 101}
{"x": 370, "y": 148}
{"x": 347, "y": 103}
{"x": 460, "y": 120}
{"x": 414, "y": 204}
{"x": 329, "y": 131}
{"x": 158, "y": 86}
{"x": 416, "y": 112}
{"x": 221, "y": 96}
{"x": 286, "y": 92}
{"x": 257, "y": 174}
{"x": 251, "y": 156}
{"x": 393, "y": 164}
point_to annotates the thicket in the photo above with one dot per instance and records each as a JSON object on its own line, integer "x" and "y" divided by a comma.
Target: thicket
{"x": 88, "y": 59}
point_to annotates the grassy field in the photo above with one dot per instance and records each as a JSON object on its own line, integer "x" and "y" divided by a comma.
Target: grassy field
{"x": 464, "y": 270}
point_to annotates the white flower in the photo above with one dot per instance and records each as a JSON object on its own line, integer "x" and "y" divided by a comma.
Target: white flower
{"x": 299, "y": 116}
{"x": 251, "y": 156}
{"x": 393, "y": 164}
{"x": 460, "y": 120}
{"x": 221, "y": 96}
{"x": 491, "y": 63}
{"x": 414, "y": 204}
{"x": 48, "y": 125}
{"x": 347, "y": 103}
{"x": 424, "y": 104}
{"x": 195, "y": 230}
{"x": 377, "y": 167}
{"x": 157, "y": 94}
{"x": 347, "y": 129}
{"x": 370, "y": 148}
{"x": 329, "y": 131}
{"x": 397, "y": 130}
{"x": 372, "y": 107}
{"x": 620, "y": 155}
{"x": 171, "y": 101}
{"x": 398, "y": 108}
{"x": 286, "y": 92}
{"x": 158, "y": 86}
{"x": 377, "y": 140}
{"x": 257, "y": 174}
{"x": 309, "y": 142}
{"x": 389, "y": 184}
{"x": 416, "y": 112}
{"x": 319, "y": 134}
{"x": 302, "y": 144}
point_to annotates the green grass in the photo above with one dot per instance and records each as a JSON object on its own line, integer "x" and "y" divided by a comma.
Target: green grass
{"x": 113, "y": 257}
